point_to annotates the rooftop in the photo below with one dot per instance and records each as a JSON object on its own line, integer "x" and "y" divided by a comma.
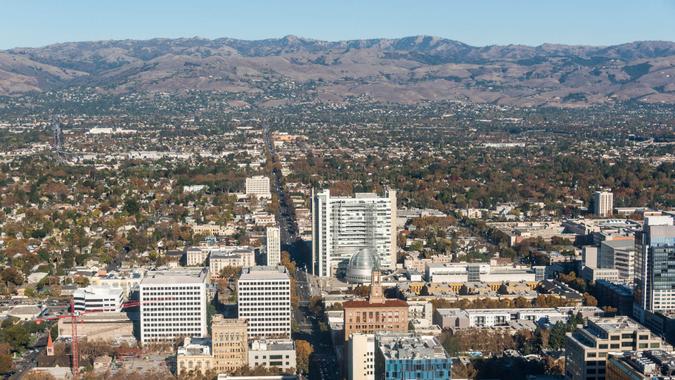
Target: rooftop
{"x": 403, "y": 346}
{"x": 98, "y": 290}
{"x": 264, "y": 273}
{"x": 386, "y": 303}
{"x": 175, "y": 276}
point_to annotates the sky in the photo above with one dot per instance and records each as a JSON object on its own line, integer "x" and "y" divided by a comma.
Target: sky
{"x": 32, "y": 23}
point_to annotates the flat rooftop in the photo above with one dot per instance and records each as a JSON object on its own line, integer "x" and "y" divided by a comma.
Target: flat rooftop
{"x": 175, "y": 276}
{"x": 264, "y": 273}
{"x": 397, "y": 346}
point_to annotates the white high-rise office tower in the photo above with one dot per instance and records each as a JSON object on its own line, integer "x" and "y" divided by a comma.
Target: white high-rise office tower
{"x": 655, "y": 276}
{"x": 273, "y": 246}
{"x": 343, "y": 226}
{"x": 258, "y": 186}
{"x": 173, "y": 304}
{"x": 264, "y": 300}
{"x": 603, "y": 203}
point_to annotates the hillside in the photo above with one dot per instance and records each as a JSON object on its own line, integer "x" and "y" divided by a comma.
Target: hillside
{"x": 406, "y": 70}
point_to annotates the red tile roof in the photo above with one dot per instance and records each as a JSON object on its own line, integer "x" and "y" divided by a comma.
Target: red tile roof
{"x": 387, "y": 303}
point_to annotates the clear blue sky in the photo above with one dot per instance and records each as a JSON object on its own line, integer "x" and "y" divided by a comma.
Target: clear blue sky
{"x": 476, "y": 22}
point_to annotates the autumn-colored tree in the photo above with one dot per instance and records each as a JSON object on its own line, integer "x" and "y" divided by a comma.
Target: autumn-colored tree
{"x": 303, "y": 351}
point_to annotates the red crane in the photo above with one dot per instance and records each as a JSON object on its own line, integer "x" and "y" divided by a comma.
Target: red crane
{"x": 75, "y": 317}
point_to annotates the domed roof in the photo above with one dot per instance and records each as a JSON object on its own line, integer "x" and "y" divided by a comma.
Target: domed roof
{"x": 362, "y": 265}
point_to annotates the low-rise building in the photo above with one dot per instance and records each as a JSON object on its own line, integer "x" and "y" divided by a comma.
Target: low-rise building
{"x": 194, "y": 356}
{"x": 98, "y": 298}
{"x": 230, "y": 257}
{"x": 457, "y": 319}
{"x": 587, "y": 348}
{"x": 272, "y": 353}
{"x": 105, "y": 327}
{"x": 595, "y": 274}
{"x": 644, "y": 365}
{"x": 409, "y": 356}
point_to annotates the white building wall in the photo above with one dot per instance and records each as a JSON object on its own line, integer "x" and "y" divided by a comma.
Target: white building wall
{"x": 341, "y": 226}
{"x": 265, "y": 301}
{"x": 172, "y": 309}
{"x": 361, "y": 357}
{"x": 273, "y": 240}
{"x": 258, "y": 186}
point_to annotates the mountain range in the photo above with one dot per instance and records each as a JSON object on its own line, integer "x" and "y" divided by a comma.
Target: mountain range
{"x": 406, "y": 70}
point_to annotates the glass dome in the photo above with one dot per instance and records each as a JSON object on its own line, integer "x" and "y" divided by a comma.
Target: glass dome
{"x": 361, "y": 266}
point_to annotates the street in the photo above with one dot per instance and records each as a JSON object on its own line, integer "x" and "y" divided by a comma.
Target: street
{"x": 323, "y": 363}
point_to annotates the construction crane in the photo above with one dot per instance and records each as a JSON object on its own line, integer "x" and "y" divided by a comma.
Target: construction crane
{"x": 75, "y": 317}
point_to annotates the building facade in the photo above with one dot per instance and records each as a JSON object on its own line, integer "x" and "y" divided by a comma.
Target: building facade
{"x": 258, "y": 186}
{"x": 401, "y": 356}
{"x": 655, "y": 279}
{"x": 361, "y": 357}
{"x": 376, "y": 314}
{"x": 343, "y": 226}
{"x": 99, "y": 299}
{"x": 603, "y": 203}
{"x": 173, "y": 304}
{"x": 264, "y": 300}
{"x": 587, "y": 348}
{"x": 240, "y": 256}
{"x": 273, "y": 353}
{"x": 229, "y": 343}
{"x": 620, "y": 255}
{"x": 273, "y": 245}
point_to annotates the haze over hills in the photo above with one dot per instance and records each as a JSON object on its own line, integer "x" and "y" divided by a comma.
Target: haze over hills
{"x": 407, "y": 70}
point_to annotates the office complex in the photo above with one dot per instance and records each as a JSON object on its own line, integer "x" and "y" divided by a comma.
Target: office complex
{"x": 99, "y": 298}
{"x": 376, "y": 314}
{"x": 273, "y": 245}
{"x": 173, "y": 304}
{"x": 360, "y": 358}
{"x": 343, "y": 226}
{"x": 587, "y": 348}
{"x": 620, "y": 255}
{"x": 229, "y": 343}
{"x": 655, "y": 275}
{"x": 400, "y": 356}
{"x": 258, "y": 186}
{"x": 264, "y": 300}
{"x": 603, "y": 203}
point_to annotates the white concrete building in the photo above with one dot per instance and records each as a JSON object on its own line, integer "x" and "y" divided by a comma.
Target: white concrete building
{"x": 361, "y": 357}
{"x": 273, "y": 247}
{"x": 258, "y": 186}
{"x": 173, "y": 304}
{"x": 197, "y": 255}
{"x": 480, "y": 272}
{"x": 264, "y": 299}
{"x": 603, "y": 203}
{"x": 343, "y": 226}
{"x": 99, "y": 298}
{"x": 272, "y": 353}
{"x": 234, "y": 256}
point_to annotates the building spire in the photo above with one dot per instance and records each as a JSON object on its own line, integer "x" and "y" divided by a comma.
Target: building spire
{"x": 376, "y": 294}
{"x": 50, "y": 344}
